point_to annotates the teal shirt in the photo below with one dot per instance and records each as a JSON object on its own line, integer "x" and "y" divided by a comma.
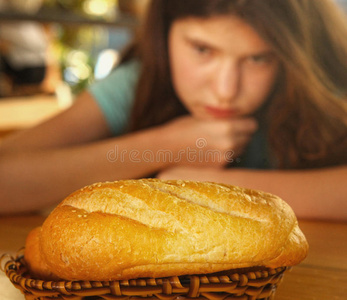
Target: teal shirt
{"x": 257, "y": 154}
{"x": 115, "y": 96}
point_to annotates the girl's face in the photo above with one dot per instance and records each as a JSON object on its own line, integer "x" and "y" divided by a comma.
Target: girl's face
{"x": 220, "y": 67}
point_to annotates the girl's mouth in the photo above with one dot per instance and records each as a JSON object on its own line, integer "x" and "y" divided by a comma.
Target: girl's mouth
{"x": 220, "y": 112}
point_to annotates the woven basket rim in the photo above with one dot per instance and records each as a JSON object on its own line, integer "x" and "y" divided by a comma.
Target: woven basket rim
{"x": 255, "y": 282}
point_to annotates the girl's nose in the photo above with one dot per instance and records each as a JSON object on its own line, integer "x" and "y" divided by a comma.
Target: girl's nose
{"x": 227, "y": 82}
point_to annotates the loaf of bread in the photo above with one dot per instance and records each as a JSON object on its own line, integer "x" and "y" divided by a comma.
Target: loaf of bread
{"x": 154, "y": 228}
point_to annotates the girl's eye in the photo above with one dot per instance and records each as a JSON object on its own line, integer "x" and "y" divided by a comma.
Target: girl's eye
{"x": 261, "y": 59}
{"x": 202, "y": 50}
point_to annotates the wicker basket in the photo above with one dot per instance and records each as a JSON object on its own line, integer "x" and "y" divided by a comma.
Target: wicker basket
{"x": 240, "y": 284}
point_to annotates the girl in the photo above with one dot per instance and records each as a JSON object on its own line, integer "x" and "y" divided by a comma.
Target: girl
{"x": 246, "y": 92}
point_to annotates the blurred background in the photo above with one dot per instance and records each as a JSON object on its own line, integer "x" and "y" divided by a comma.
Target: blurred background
{"x": 50, "y": 50}
{"x": 73, "y": 41}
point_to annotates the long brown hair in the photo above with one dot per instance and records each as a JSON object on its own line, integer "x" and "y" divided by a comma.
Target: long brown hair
{"x": 308, "y": 113}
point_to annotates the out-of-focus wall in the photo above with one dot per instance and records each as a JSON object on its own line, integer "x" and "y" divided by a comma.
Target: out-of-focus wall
{"x": 343, "y": 4}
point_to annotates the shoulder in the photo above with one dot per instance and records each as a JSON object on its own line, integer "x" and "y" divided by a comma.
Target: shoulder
{"x": 115, "y": 94}
{"x": 130, "y": 69}
{"x": 125, "y": 72}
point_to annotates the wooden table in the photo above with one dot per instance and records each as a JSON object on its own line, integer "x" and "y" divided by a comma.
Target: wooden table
{"x": 19, "y": 113}
{"x": 323, "y": 275}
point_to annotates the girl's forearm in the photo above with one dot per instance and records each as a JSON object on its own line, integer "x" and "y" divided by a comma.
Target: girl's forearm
{"x": 34, "y": 180}
{"x": 313, "y": 194}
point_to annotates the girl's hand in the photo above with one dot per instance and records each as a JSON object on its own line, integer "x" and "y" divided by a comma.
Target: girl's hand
{"x": 208, "y": 142}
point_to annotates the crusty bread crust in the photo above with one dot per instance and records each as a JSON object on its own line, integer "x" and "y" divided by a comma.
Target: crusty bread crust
{"x": 37, "y": 266}
{"x": 154, "y": 228}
